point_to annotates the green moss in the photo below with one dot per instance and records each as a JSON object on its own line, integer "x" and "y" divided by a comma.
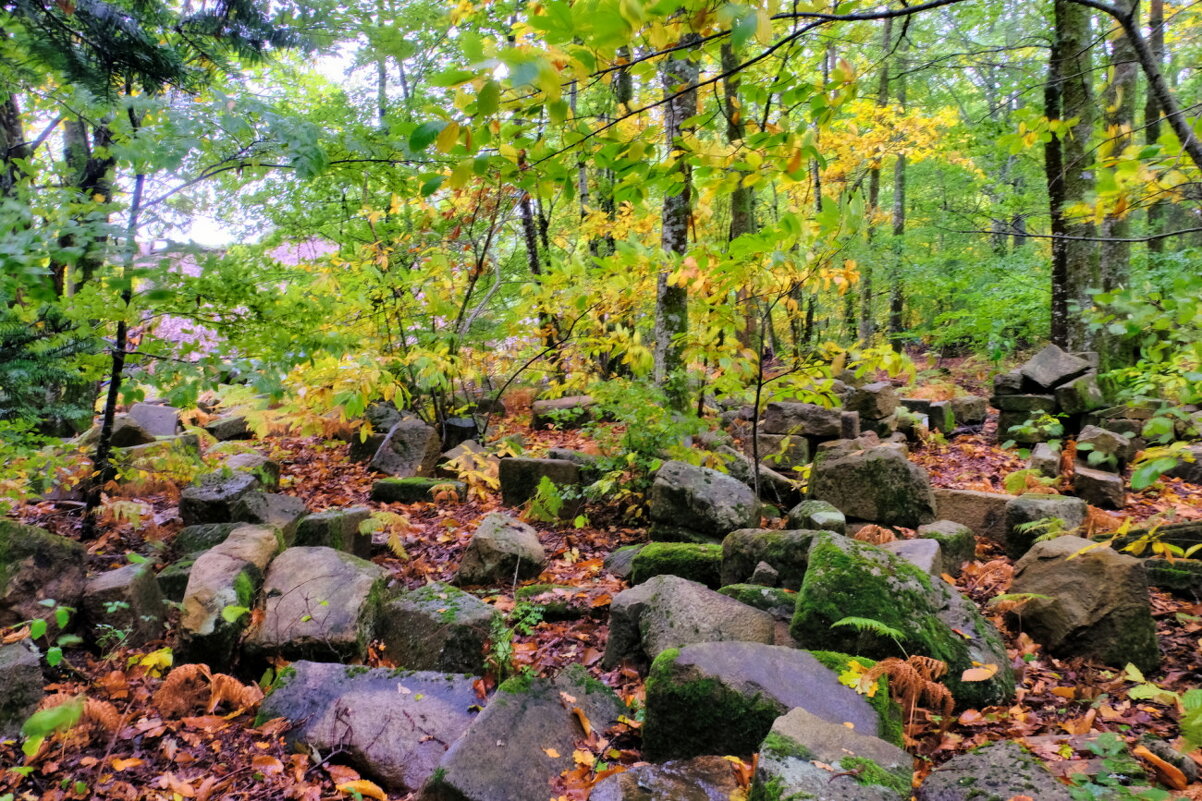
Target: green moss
{"x": 696, "y": 562}
{"x": 356, "y": 670}
{"x": 779, "y": 745}
{"x": 689, "y": 716}
{"x": 774, "y": 790}
{"x": 888, "y": 712}
{"x": 517, "y": 684}
{"x": 868, "y": 772}
{"x": 769, "y": 599}
{"x": 580, "y": 675}
{"x": 244, "y": 587}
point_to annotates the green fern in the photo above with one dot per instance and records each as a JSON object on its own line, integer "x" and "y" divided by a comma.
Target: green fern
{"x": 867, "y": 625}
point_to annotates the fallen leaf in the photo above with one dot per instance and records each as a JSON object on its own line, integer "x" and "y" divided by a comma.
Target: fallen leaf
{"x": 982, "y": 673}
{"x": 1168, "y": 774}
{"x": 583, "y": 757}
{"x": 551, "y": 752}
{"x": 582, "y": 719}
{"x": 364, "y": 788}
{"x": 125, "y": 764}
{"x": 267, "y": 765}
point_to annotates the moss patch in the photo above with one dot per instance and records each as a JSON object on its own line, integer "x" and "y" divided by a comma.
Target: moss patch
{"x": 696, "y": 562}
{"x": 689, "y": 716}
{"x": 769, "y": 599}
{"x": 785, "y": 747}
{"x": 868, "y": 772}
{"x": 888, "y": 712}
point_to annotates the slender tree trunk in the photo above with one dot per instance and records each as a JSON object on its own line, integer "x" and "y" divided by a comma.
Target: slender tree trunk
{"x": 103, "y": 470}
{"x": 1152, "y": 119}
{"x": 672, "y": 302}
{"x": 867, "y": 320}
{"x": 1053, "y": 164}
{"x": 896, "y": 288}
{"x": 742, "y": 199}
{"x": 1119, "y": 104}
{"x": 13, "y": 146}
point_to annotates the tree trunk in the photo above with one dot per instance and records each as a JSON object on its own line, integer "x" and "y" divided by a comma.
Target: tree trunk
{"x": 896, "y": 289}
{"x": 1119, "y": 105}
{"x": 1152, "y": 120}
{"x": 1074, "y": 39}
{"x": 12, "y": 145}
{"x": 867, "y": 321}
{"x": 671, "y": 302}
{"x": 1053, "y": 165}
{"x": 742, "y": 199}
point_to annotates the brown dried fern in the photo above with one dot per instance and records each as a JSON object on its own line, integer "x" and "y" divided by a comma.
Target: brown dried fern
{"x": 913, "y": 683}
{"x": 874, "y": 535}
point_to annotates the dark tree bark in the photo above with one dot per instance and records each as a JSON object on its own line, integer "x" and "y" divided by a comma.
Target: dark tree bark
{"x": 742, "y": 199}
{"x": 1152, "y": 116}
{"x": 867, "y": 320}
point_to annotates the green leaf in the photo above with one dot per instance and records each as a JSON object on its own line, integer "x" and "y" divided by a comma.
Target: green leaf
{"x": 54, "y": 656}
{"x": 231, "y": 613}
{"x": 45, "y": 722}
{"x": 62, "y": 616}
{"x": 432, "y": 184}
{"x": 488, "y": 100}
{"x": 425, "y": 134}
{"x": 743, "y": 30}
{"x": 37, "y": 629}
{"x": 451, "y": 77}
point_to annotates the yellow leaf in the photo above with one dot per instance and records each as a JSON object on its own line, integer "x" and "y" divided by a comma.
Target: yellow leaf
{"x": 981, "y": 673}
{"x": 583, "y": 757}
{"x": 551, "y": 752}
{"x": 447, "y": 137}
{"x": 364, "y": 788}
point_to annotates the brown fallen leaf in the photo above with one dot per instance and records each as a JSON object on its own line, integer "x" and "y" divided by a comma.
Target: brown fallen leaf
{"x": 125, "y": 764}
{"x": 1169, "y": 775}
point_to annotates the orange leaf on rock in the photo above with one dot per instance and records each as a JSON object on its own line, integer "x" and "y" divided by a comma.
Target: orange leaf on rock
{"x": 551, "y": 752}
{"x": 980, "y": 673}
{"x": 1168, "y": 774}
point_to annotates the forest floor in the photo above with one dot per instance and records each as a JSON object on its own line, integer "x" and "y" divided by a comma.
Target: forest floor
{"x": 217, "y": 752}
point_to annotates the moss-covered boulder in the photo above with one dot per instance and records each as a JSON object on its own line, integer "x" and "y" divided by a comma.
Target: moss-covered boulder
{"x": 999, "y": 771}
{"x": 1179, "y": 576}
{"x": 436, "y": 627}
{"x": 319, "y": 603}
{"x": 956, "y": 543}
{"x": 876, "y": 484}
{"x": 785, "y": 551}
{"x": 416, "y": 489}
{"x": 173, "y": 579}
{"x": 1028, "y": 517}
{"x": 817, "y": 516}
{"x": 722, "y": 698}
{"x": 794, "y": 758}
{"x": 336, "y": 528}
{"x": 555, "y": 601}
{"x": 37, "y": 566}
{"x": 775, "y": 601}
{"x": 909, "y": 612}
{"x": 191, "y": 540}
{"x": 696, "y": 562}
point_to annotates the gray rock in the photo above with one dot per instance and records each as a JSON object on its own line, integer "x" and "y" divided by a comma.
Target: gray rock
{"x": 874, "y": 401}
{"x": 705, "y": 778}
{"x": 1031, "y": 508}
{"x": 983, "y": 512}
{"x": 621, "y": 561}
{"x": 173, "y": 579}
{"x": 1080, "y": 395}
{"x": 37, "y": 566}
{"x": 502, "y": 549}
{"x": 267, "y": 471}
{"x": 365, "y": 446}
{"x": 941, "y": 417}
{"x": 1045, "y": 459}
{"x": 20, "y": 685}
{"x": 194, "y": 539}
{"x": 773, "y": 600}
{"x": 128, "y": 600}
{"x": 227, "y": 575}
{"x": 212, "y": 498}
{"x": 878, "y": 484}
{"x": 969, "y": 410}
{"x": 849, "y": 425}
{"x": 156, "y": 419}
{"x": 799, "y": 740}
{"x": 746, "y": 685}
{"x": 521, "y": 476}
{"x": 846, "y": 578}
{"x": 817, "y": 516}
{"x": 1119, "y": 448}
{"x": 436, "y": 627}
{"x": 411, "y": 449}
{"x": 670, "y": 612}
{"x": 229, "y": 427}
{"x": 127, "y": 432}
{"x": 1008, "y": 383}
{"x": 765, "y": 575}
{"x": 884, "y": 427}
{"x": 1012, "y": 427}
{"x": 587, "y": 462}
{"x": 916, "y": 405}
{"x": 785, "y": 551}
{"x": 395, "y": 726}
{"x": 781, "y": 451}
{"x": 415, "y": 489}
{"x": 775, "y": 488}
{"x": 802, "y": 418}
{"x": 1025, "y": 403}
{"x": 1096, "y": 602}
{"x": 457, "y": 430}
{"x": 702, "y": 500}
{"x": 1099, "y": 488}
{"x": 336, "y": 528}
{"x": 996, "y": 772}
{"x": 957, "y": 544}
{"x": 318, "y": 603}
{"x": 1052, "y": 367}
{"x": 1179, "y": 576}
{"x": 1190, "y": 471}
{"x": 563, "y": 413}
{"x": 503, "y": 755}
{"x": 924, "y": 554}
{"x": 271, "y": 509}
